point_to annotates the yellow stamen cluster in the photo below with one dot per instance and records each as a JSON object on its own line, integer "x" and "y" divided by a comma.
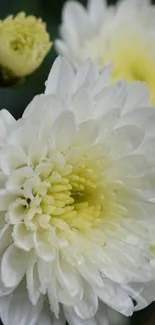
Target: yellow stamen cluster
{"x": 76, "y": 195}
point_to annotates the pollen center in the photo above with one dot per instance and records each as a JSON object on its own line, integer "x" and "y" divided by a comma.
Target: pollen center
{"x": 76, "y": 197}
{"x": 64, "y": 193}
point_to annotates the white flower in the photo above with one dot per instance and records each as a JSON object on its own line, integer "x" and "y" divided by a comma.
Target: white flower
{"x": 76, "y": 183}
{"x": 123, "y": 33}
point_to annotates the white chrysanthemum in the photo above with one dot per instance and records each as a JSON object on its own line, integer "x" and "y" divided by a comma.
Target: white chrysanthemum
{"x": 76, "y": 183}
{"x": 123, "y": 33}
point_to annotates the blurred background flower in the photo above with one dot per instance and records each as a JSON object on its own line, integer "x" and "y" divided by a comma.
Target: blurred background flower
{"x": 24, "y": 43}
{"x": 122, "y": 34}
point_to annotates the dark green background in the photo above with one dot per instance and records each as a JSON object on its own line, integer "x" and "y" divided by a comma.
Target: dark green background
{"x": 16, "y": 99}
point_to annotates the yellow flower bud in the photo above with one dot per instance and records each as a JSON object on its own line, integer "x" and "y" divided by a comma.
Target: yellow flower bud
{"x": 24, "y": 43}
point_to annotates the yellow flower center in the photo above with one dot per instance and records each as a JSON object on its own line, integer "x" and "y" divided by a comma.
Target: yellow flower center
{"x": 77, "y": 195}
{"x": 77, "y": 198}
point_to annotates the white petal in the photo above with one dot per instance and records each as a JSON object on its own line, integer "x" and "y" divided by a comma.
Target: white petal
{"x": 5, "y": 237}
{"x": 131, "y": 165}
{"x": 42, "y": 113}
{"x": 142, "y": 293}
{"x": 18, "y": 177}
{"x": 90, "y": 272}
{"x": 45, "y": 274}
{"x": 12, "y": 157}
{"x": 52, "y": 291}
{"x": 65, "y": 298}
{"x": 143, "y": 116}
{"x": 126, "y": 139}
{"x": 137, "y": 96}
{"x": 132, "y": 7}
{"x": 108, "y": 122}
{"x": 43, "y": 246}
{"x": 116, "y": 298}
{"x": 69, "y": 278}
{"x": 13, "y": 266}
{"x": 37, "y": 152}
{"x": 73, "y": 319}
{"x": 61, "y": 48}
{"x": 17, "y": 309}
{"x": 64, "y": 130}
{"x": 32, "y": 277}
{"x": 136, "y": 207}
{"x": 147, "y": 147}
{"x": 76, "y": 19}
{"x": 96, "y": 11}
{"x": 104, "y": 77}
{"x": 6, "y": 123}
{"x": 23, "y": 135}
{"x": 6, "y": 198}
{"x": 86, "y": 134}
{"x": 86, "y": 76}
{"x": 4, "y": 307}
{"x": 110, "y": 98}
{"x": 88, "y": 305}
{"x": 145, "y": 185}
{"x": 56, "y": 82}
{"x": 81, "y": 106}
{"x": 16, "y": 213}
{"x": 5, "y": 291}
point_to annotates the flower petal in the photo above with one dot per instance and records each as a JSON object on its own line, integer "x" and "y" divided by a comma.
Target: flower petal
{"x": 132, "y": 165}
{"x": 116, "y": 298}
{"x": 32, "y": 277}
{"x": 17, "y": 309}
{"x": 81, "y": 105}
{"x": 13, "y": 266}
{"x": 64, "y": 130}
{"x": 76, "y": 19}
{"x": 73, "y": 319}
{"x": 96, "y": 11}
{"x": 85, "y": 77}
{"x": 126, "y": 139}
{"x": 12, "y": 157}
{"x": 23, "y": 237}
{"x": 142, "y": 293}
{"x": 7, "y": 197}
{"x": 37, "y": 152}
{"x": 87, "y": 306}
{"x": 69, "y": 278}
{"x": 56, "y": 82}
{"x": 43, "y": 247}
{"x": 86, "y": 134}
{"x": 5, "y": 237}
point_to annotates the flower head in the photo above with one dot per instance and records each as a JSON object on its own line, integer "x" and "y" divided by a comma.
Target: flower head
{"x": 123, "y": 34}
{"x": 24, "y": 43}
{"x": 77, "y": 180}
